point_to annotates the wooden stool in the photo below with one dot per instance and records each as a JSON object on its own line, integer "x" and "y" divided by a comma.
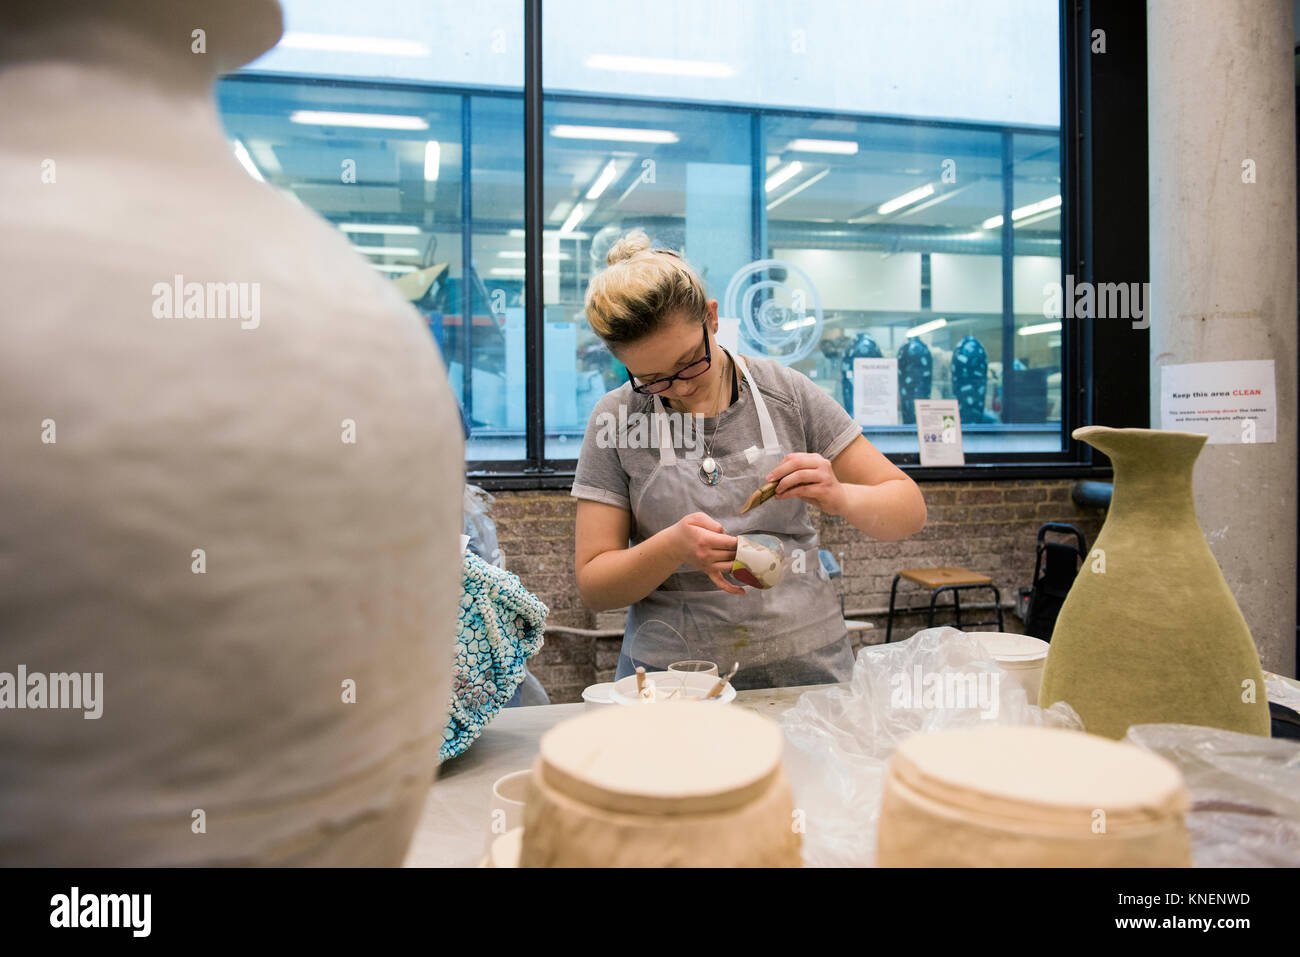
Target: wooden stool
{"x": 939, "y": 580}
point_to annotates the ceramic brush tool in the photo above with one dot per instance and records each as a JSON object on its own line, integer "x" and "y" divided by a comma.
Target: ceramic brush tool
{"x": 759, "y": 497}
{"x": 722, "y": 682}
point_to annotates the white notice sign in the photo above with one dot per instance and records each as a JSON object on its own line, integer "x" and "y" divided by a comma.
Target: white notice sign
{"x": 1234, "y": 402}
{"x": 875, "y": 391}
{"x": 938, "y": 424}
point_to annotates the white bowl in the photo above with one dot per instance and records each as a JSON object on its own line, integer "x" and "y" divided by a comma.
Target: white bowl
{"x": 598, "y": 695}
{"x": 693, "y": 688}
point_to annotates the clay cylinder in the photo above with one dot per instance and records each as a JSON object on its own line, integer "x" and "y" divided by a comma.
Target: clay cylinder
{"x": 1030, "y": 797}
{"x": 681, "y": 786}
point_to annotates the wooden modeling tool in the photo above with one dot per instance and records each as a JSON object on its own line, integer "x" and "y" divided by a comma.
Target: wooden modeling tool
{"x": 640, "y": 682}
{"x": 759, "y": 497}
{"x": 722, "y": 682}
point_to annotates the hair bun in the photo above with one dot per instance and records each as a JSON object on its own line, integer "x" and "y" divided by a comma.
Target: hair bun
{"x": 629, "y": 245}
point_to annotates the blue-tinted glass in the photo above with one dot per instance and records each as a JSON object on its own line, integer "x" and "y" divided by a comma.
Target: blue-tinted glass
{"x": 877, "y": 136}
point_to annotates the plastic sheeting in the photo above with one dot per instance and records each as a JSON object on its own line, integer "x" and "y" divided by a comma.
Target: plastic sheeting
{"x": 1245, "y": 792}
{"x": 839, "y": 740}
{"x": 1244, "y": 789}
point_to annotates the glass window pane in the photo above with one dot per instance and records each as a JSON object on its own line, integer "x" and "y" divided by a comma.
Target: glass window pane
{"x": 359, "y": 114}
{"x": 683, "y": 174}
{"x": 885, "y": 145}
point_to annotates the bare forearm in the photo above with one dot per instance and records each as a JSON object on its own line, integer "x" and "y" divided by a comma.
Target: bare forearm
{"x": 623, "y": 576}
{"x": 889, "y": 511}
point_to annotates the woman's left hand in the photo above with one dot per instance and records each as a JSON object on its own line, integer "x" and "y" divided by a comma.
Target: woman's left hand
{"x": 808, "y": 476}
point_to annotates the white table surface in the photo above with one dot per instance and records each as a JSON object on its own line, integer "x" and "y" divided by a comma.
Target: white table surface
{"x": 453, "y": 830}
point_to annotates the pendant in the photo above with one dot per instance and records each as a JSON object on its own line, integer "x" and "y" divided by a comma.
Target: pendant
{"x": 710, "y": 474}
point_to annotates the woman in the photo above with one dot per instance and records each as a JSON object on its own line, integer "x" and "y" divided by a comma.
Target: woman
{"x": 657, "y": 524}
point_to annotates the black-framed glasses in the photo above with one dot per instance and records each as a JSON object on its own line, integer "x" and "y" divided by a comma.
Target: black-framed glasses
{"x": 696, "y": 368}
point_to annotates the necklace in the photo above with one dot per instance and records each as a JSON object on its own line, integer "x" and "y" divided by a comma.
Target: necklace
{"x": 710, "y": 471}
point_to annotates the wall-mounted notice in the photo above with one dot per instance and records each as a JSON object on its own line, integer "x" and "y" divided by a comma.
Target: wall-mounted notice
{"x": 875, "y": 391}
{"x": 1234, "y": 402}
{"x": 938, "y": 424}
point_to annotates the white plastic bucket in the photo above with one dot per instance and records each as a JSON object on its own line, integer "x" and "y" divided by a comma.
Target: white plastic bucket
{"x": 1021, "y": 656}
{"x": 598, "y": 695}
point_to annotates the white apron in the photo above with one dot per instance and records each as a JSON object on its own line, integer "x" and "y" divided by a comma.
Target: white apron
{"x": 787, "y": 632}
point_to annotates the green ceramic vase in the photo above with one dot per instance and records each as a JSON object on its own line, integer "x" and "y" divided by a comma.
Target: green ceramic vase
{"x": 1150, "y": 632}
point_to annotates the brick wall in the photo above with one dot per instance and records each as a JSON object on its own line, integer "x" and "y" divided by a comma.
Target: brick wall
{"x": 987, "y": 526}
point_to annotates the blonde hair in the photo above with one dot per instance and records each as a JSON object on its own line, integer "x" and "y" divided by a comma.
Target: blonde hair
{"x": 640, "y": 289}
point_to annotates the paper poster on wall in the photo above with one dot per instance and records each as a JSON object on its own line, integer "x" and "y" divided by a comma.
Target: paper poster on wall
{"x": 938, "y": 425}
{"x": 875, "y": 391}
{"x": 1234, "y": 402}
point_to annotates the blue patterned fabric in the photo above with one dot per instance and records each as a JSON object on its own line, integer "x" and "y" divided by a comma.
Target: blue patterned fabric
{"x": 500, "y": 626}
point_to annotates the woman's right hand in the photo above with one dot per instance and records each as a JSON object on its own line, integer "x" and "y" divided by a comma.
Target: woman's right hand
{"x": 702, "y": 543}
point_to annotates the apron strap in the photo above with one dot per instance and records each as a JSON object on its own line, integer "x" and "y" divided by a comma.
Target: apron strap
{"x": 665, "y": 437}
{"x": 770, "y": 444}
{"x": 667, "y": 456}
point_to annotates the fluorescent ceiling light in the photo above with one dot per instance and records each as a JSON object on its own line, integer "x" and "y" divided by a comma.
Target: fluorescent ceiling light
{"x": 925, "y": 327}
{"x": 519, "y": 254}
{"x": 394, "y": 267}
{"x": 1042, "y": 206}
{"x": 517, "y": 232}
{"x": 515, "y": 271}
{"x": 374, "y": 121}
{"x": 798, "y": 323}
{"x": 1038, "y": 329}
{"x": 575, "y": 217}
{"x": 379, "y": 228}
{"x": 263, "y": 154}
{"x": 1036, "y": 218}
{"x": 776, "y": 179}
{"x": 622, "y": 134}
{"x": 907, "y": 199}
{"x": 603, "y": 180}
{"x": 645, "y": 64}
{"x": 246, "y": 161}
{"x": 798, "y": 189}
{"x": 334, "y": 43}
{"x": 387, "y": 250}
{"x": 636, "y": 181}
{"x": 432, "y": 157}
{"x": 843, "y": 147}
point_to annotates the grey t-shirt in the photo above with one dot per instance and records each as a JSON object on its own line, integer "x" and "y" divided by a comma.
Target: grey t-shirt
{"x": 805, "y": 417}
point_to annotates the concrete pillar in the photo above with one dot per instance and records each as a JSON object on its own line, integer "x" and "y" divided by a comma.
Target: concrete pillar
{"x": 1223, "y": 271}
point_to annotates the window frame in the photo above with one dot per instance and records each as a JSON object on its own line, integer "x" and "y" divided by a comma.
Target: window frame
{"x": 1103, "y": 141}
{"x": 1103, "y": 153}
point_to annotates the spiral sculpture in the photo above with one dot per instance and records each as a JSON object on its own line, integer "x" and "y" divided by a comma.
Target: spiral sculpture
{"x": 784, "y": 321}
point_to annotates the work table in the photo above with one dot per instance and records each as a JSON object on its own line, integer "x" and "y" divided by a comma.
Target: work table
{"x": 453, "y": 828}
